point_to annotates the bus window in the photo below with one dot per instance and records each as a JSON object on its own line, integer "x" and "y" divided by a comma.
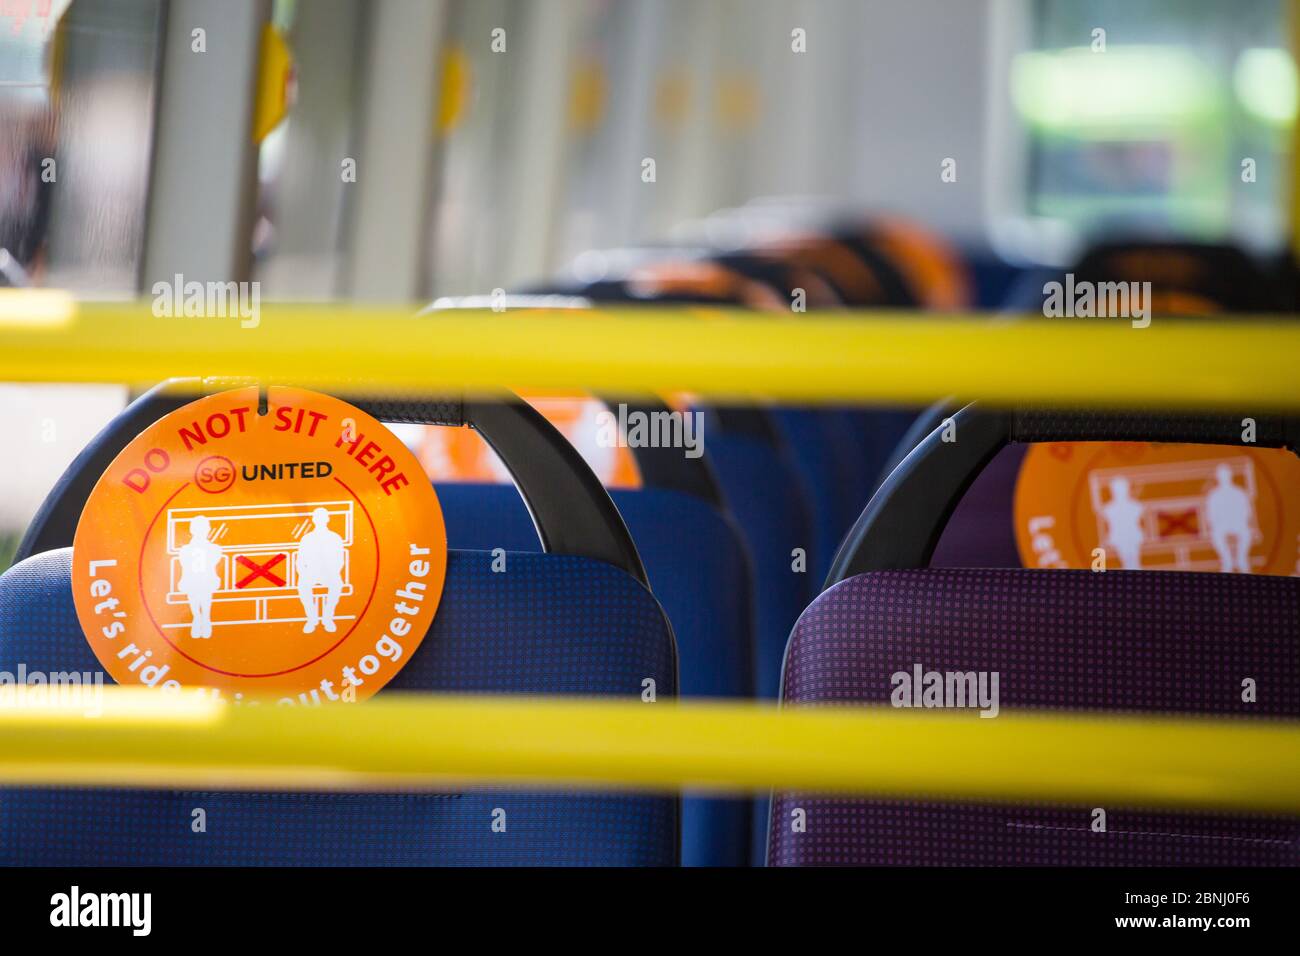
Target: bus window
{"x": 78, "y": 84}
{"x": 1155, "y": 118}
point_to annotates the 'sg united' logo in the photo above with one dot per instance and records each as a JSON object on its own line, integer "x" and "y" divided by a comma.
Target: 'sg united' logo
{"x": 214, "y": 474}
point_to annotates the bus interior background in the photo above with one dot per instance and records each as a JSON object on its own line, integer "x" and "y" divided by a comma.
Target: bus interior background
{"x": 460, "y": 153}
{"x": 535, "y": 159}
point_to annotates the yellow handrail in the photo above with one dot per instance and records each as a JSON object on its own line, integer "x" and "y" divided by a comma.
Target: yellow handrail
{"x": 877, "y": 356}
{"x": 132, "y": 736}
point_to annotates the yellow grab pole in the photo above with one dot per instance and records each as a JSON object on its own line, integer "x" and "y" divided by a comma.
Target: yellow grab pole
{"x": 875, "y": 357}
{"x": 129, "y": 736}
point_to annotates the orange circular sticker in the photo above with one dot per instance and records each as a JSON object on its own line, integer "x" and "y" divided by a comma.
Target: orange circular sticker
{"x": 1159, "y": 507}
{"x": 297, "y": 552}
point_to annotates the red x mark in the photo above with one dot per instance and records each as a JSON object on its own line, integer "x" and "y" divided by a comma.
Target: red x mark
{"x": 260, "y": 571}
{"x": 1173, "y": 522}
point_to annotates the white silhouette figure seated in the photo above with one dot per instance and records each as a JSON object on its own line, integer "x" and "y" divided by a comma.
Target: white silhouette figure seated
{"x": 1124, "y": 524}
{"x": 1228, "y": 512}
{"x": 320, "y": 564}
{"x": 199, "y": 579}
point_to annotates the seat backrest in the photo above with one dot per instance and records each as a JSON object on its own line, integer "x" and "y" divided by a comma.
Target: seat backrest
{"x": 696, "y": 557}
{"x": 700, "y": 572}
{"x": 554, "y": 624}
{"x": 1165, "y": 643}
{"x": 763, "y": 488}
{"x": 1186, "y": 278}
{"x": 563, "y": 623}
{"x": 823, "y": 453}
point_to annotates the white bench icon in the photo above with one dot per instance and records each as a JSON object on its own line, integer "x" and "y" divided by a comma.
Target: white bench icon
{"x": 1180, "y": 523}
{"x": 256, "y": 562}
